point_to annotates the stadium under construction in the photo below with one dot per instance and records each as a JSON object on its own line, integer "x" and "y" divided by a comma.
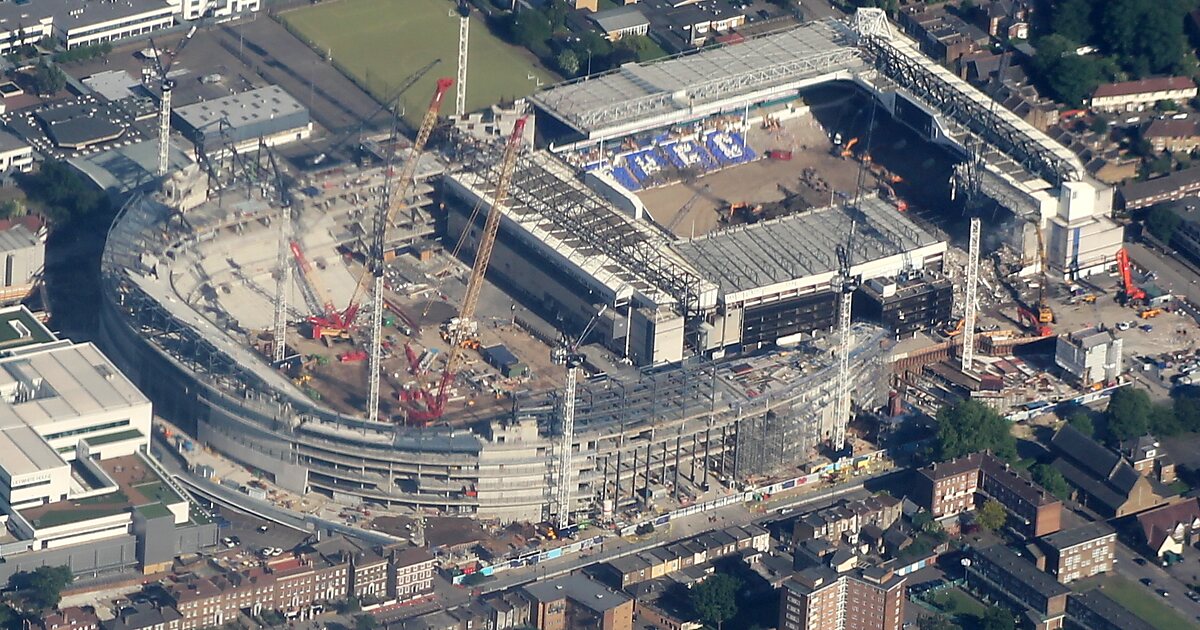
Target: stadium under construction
{"x": 717, "y": 366}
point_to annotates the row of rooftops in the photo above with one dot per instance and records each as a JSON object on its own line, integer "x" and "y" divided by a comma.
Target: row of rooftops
{"x": 716, "y": 539}
{"x": 847, "y": 510}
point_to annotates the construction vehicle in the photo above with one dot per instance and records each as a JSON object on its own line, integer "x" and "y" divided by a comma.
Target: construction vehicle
{"x": 952, "y": 331}
{"x": 1032, "y": 323}
{"x": 1150, "y": 313}
{"x": 1088, "y": 298}
{"x": 435, "y": 403}
{"x": 1045, "y": 314}
{"x": 848, "y": 150}
{"x": 1132, "y": 294}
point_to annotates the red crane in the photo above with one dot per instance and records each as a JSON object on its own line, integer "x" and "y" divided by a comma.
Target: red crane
{"x": 436, "y": 403}
{"x": 1133, "y": 293}
{"x": 404, "y": 184}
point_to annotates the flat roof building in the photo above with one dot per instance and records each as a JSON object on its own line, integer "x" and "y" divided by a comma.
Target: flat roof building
{"x": 269, "y": 113}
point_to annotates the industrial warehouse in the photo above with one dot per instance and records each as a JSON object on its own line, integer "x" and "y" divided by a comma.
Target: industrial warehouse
{"x": 726, "y": 358}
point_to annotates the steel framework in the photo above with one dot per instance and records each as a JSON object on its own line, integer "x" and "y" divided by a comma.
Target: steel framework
{"x": 583, "y": 216}
{"x": 282, "y": 281}
{"x": 971, "y": 306}
{"x": 914, "y": 76}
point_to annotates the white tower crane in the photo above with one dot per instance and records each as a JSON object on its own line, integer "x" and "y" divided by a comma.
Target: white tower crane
{"x": 464, "y": 27}
{"x": 166, "y": 85}
{"x": 846, "y": 287}
{"x": 970, "y": 308}
{"x": 283, "y": 278}
{"x": 570, "y": 353}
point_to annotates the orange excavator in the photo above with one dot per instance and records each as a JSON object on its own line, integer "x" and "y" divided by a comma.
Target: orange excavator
{"x": 1131, "y": 293}
{"x": 848, "y": 150}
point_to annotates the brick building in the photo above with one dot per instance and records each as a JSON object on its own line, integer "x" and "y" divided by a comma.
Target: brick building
{"x": 1173, "y": 135}
{"x": 575, "y": 601}
{"x": 1093, "y": 610}
{"x": 949, "y": 488}
{"x": 1007, "y": 577}
{"x": 1148, "y": 457}
{"x": 70, "y": 618}
{"x": 818, "y": 598}
{"x": 1081, "y": 552}
{"x": 842, "y": 522}
{"x": 1107, "y": 483}
{"x": 331, "y": 570}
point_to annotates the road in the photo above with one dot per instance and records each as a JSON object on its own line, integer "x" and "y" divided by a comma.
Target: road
{"x": 1161, "y": 579}
{"x": 1174, "y": 274}
{"x": 684, "y": 528}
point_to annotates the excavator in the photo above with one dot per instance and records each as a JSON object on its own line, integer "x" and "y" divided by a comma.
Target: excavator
{"x": 1131, "y": 293}
{"x": 1045, "y": 315}
{"x": 848, "y": 150}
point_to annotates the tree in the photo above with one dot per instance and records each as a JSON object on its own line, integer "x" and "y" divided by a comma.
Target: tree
{"x": 1128, "y": 414}
{"x": 528, "y": 28}
{"x": 63, "y": 193}
{"x": 1162, "y": 223}
{"x": 364, "y": 622}
{"x": 1082, "y": 421}
{"x": 1072, "y": 19}
{"x": 1162, "y": 421}
{"x": 971, "y": 426}
{"x": 1049, "y": 478}
{"x": 997, "y": 618}
{"x": 40, "y": 590}
{"x": 48, "y": 79}
{"x": 1146, "y": 36}
{"x": 1068, "y": 77}
{"x": 1099, "y": 125}
{"x": 12, "y": 209}
{"x": 715, "y": 600}
{"x": 568, "y": 63}
{"x": 991, "y": 516}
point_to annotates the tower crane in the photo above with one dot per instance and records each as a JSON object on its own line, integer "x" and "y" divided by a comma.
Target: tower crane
{"x": 972, "y": 291}
{"x": 282, "y": 268}
{"x": 166, "y": 85}
{"x": 846, "y": 285}
{"x": 483, "y": 255}
{"x": 572, "y": 358}
{"x": 464, "y": 27}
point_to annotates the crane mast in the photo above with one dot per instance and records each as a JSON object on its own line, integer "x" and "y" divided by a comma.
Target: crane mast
{"x": 464, "y": 27}
{"x": 383, "y": 217}
{"x": 283, "y": 278}
{"x": 970, "y": 309}
{"x": 573, "y": 359}
{"x": 846, "y": 289}
{"x": 483, "y": 255}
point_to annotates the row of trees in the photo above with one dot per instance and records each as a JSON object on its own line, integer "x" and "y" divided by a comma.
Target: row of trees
{"x": 1137, "y": 38}
{"x": 32, "y": 594}
{"x": 545, "y": 32}
{"x": 62, "y": 193}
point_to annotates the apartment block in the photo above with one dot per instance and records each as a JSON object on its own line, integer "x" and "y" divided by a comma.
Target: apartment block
{"x": 1081, "y": 552}
{"x": 818, "y": 598}
{"x": 1008, "y": 578}
{"x": 949, "y": 488}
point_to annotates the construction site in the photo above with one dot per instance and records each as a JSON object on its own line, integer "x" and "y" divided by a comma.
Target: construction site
{"x": 666, "y": 302}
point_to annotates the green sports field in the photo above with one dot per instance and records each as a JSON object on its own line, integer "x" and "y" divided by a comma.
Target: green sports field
{"x": 381, "y": 42}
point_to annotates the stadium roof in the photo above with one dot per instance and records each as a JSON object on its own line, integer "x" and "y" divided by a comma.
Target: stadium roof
{"x": 800, "y": 245}
{"x": 678, "y": 85}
